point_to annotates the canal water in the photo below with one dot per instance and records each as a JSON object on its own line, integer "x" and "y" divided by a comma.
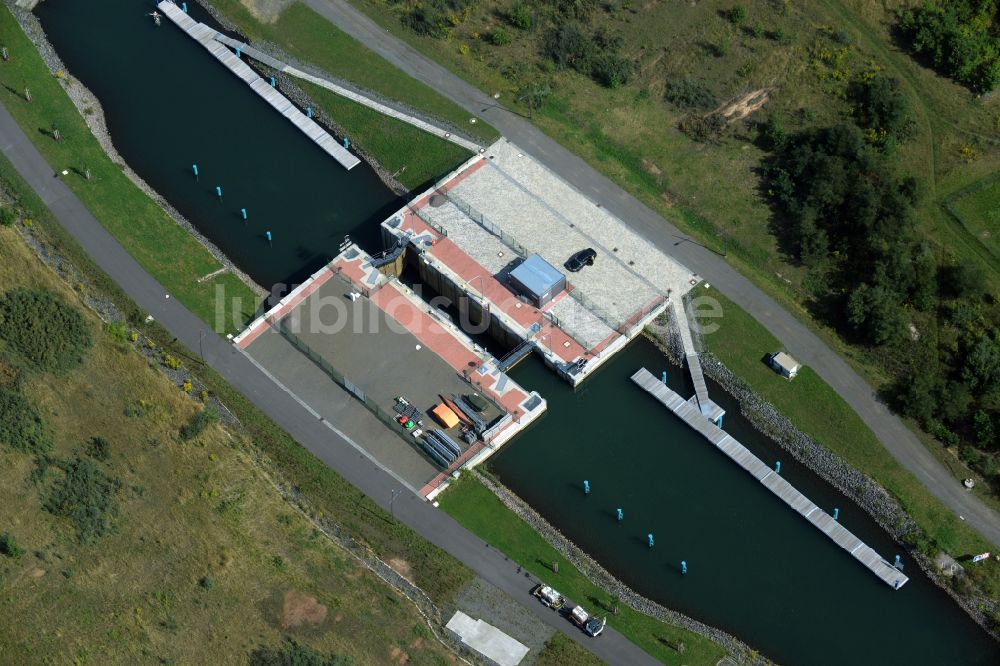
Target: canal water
{"x": 170, "y": 104}
{"x": 757, "y": 569}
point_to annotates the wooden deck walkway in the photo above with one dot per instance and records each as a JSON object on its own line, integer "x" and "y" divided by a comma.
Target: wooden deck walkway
{"x": 205, "y": 36}
{"x": 771, "y": 480}
{"x": 347, "y": 93}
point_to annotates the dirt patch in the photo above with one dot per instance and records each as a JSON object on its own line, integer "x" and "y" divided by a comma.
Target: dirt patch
{"x": 415, "y": 645}
{"x": 36, "y": 573}
{"x": 299, "y": 609}
{"x": 266, "y": 11}
{"x": 397, "y": 656}
{"x": 401, "y": 566}
{"x": 744, "y": 105}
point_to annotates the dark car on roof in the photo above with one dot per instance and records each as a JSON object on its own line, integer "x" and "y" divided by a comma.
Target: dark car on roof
{"x": 581, "y": 259}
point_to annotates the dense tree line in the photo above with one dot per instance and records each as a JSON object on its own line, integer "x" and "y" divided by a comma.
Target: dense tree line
{"x": 844, "y": 210}
{"x": 960, "y": 37}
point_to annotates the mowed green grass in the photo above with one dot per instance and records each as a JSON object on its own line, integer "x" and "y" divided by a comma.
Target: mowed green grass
{"x": 417, "y": 158}
{"x": 479, "y": 510}
{"x": 817, "y": 410}
{"x": 159, "y": 244}
{"x": 188, "y": 510}
{"x": 979, "y": 211}
{"x": 307, "y": 36}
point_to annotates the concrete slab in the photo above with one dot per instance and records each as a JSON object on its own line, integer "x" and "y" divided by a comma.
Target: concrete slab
{"x": 487, "y": 640}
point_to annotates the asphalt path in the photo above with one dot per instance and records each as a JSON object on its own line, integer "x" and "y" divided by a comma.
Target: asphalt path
{"x": 330, "y": 447}
{"x": 802, "y": 343}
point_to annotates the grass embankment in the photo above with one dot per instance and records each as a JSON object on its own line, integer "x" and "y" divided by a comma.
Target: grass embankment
{"x": 204, "y": 563}
{"x": 479, "y": 510}
{"x": 159, "y": 244}
{"x": 439, "y": 574}
{"x": 308, "y": 37}
{"x": 741, "y": 343}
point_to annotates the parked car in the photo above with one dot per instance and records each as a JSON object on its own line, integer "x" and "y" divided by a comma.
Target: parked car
{"x": 581, "y": 259}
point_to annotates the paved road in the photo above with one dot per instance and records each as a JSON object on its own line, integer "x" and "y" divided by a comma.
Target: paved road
{"x": 234, "y": 367}
{"x": 799, "y": 340}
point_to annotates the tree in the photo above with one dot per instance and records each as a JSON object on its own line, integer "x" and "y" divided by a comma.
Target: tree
{"x": 882, "y": 109}
{"x": 569, "y": 47}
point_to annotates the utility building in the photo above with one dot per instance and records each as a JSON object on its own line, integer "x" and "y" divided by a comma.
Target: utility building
{"x": 537, "y": 280}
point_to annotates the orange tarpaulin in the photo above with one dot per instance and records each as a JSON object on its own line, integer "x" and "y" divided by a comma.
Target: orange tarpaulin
{"x": 445, "y": 416}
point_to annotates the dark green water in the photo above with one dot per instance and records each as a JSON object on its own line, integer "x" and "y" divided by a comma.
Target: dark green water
{"x": 171, "y": 104}
{"x": 755, "y": 567}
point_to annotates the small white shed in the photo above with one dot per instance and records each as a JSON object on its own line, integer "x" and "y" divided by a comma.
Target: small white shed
{"x": 784, "y": 364}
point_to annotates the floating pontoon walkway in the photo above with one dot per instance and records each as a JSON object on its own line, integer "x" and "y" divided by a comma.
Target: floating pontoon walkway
{"x": 771, "y": 480}
{"x": 709, "y": 409}
{"x": 205, "y": 36}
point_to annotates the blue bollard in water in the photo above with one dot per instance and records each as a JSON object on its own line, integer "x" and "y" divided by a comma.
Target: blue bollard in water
{"x": 663, "y": 377}
{"x": 273, "y": 82}
{"x": 237, "y": 52}
{"x": 194, "y": 167}
{"x": 619, "y": 515}
{"x": 243, "y": 212}
{"x": 649, "y": 538}
{"x": 347, "y": 143}
{"x": 777, "y": 467}
{"x": 218, "y": 191}
{"x": 684, "y": 567}
{"x": 836, "y": 513}
{"x": 898, "y": 563}
{"x": 184, "y": 7}
{"x": 267, "y": 234}
{"x": 309, "y": 112}
{"x": 586, "y": 487}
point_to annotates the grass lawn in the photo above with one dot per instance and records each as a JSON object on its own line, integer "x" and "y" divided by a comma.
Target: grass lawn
{"x": 479, "y": 510}
{"x": 206, "y": 561}
{"x": 310, "y": 38}
{"x": 560, "y": 651}
{"x": 740, "y": 343}
{"x": 419, "y": 158}
{"x": 978, "y": 208}
{"x": 159, "y": 244}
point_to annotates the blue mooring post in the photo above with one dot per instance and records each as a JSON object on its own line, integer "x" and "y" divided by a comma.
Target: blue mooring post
{"x": 218, "y": 191}
{"x": 836, "y": 513}
{"x": 684, "y": 567}
{"x": 663, "y": 377}
{"x": 718, "y": 422}
{"x": 184, "y": 7}
{"x": 347, "y": 143}
{"x": 273, "y": 82}
{"x": 194, "y": 167}
{"x": 586, "y": 487}
{"x": 777, "y": 467}
{"x": 243, "y": 212}
{"x": 237, "y": 52}
{"x": 898, "y": 563}
{"x": 649, "y": 538}
{"x": 309, "y": 112}
{"x": 619, "y": 515}
{"x": 267, "y": 234}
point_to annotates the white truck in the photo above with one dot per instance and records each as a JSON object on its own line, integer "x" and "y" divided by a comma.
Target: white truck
{"x": 591, "y": 624}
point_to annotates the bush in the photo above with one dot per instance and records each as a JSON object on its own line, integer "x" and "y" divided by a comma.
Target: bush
{"x": 611, "y": 71}
{"x": 85, "y": 495}
{"x": 7, "y": 216}
{"x": 881, "y": 108}
{"x": 206, "y": 582}
{"x": 521, "y": 17}
{"x": 21, "y": 426}
{"x": 197, "y": 424}
{"x": 9, "y": 546}
{"x": 690, "y": 94}
{"x": 569, "y": 47}
{"x": 737, "y": 15}
{"x": 43, "y": 330}
{"x": 99, "y": 449}
{"x": 500, "y": 37}
{"x": 293, "y": 653}
{"x": 576, "y": 10}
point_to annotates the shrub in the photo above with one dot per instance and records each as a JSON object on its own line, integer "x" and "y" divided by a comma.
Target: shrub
{"x": 85, "y": 495}
{"x": 737, "y": 15}
{"x": 611, "y": 71}
{"x": 757, "y": 30}
{"x": 99, "y": 449}
{"x": 881, "y": 108}
{"x": 293, "y": 653}
{"x": 171, "y": 362}
{"x": 21, "y": 426}
{"x": 9, "y": 546}
{"x": 206, "y": 582}
{"x": 577, "y": 10}
{"x": 500, "y": 37}
{"x": 197, "y": 424}
{"x": 690, "y": 94}
{"x": 7, "y": 216}
{"x": 521, "y": 17}
{"x": 45, "y": 331}
{"x": 569, "y": 47}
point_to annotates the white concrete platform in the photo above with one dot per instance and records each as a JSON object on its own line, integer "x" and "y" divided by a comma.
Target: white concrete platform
{"x": 487, "y": 640}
